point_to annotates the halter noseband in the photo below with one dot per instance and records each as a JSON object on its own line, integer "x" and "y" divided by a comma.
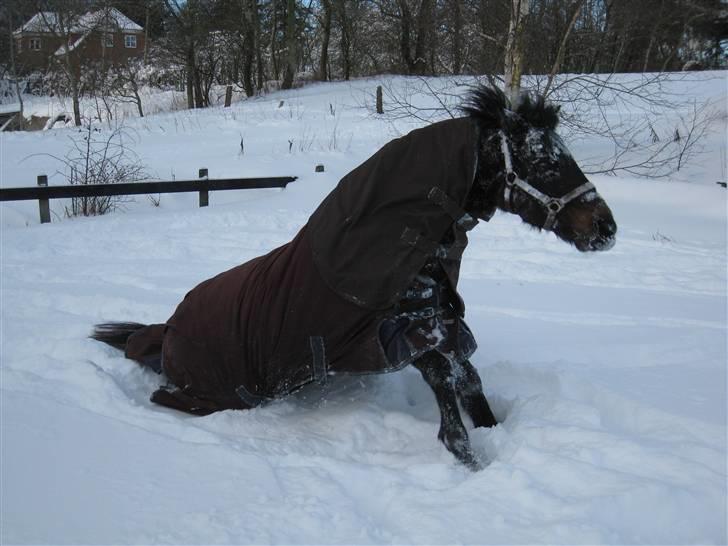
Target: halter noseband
{"x": 553, "y": 205}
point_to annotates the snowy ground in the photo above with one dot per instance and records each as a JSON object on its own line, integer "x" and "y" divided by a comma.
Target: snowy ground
{"x": 608, "y": 371}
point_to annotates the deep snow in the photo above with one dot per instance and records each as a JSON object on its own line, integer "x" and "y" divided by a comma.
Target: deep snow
{"x": 608, "y": 371}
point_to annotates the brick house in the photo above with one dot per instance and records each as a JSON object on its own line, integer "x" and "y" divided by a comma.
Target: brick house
{"x": 105, "y": 36}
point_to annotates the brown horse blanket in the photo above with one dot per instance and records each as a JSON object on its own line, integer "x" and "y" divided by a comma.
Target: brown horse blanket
{"x": 346, "y": 295}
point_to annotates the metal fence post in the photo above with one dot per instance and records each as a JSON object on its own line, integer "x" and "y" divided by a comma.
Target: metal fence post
{"x": 204, "y": 193}
{"x": 43, "y": 205}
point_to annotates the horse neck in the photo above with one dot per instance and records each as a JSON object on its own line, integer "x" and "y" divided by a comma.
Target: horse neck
{"x": 487, "y": 191}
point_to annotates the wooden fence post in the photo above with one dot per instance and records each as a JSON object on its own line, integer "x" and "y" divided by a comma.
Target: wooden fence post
{"x": 380, "y": 106}
{"x": 228, "y": 95}
{"x": 204, "y": 193}
{"x": 43, "y": 205}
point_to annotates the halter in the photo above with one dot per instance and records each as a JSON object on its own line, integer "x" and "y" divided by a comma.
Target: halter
{"x": 553, "y": 205}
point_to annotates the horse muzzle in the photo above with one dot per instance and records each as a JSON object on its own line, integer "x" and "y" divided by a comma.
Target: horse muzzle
{"x": 602, "y": 237}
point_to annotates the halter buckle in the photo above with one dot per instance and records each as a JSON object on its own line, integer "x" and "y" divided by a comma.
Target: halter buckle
{"x": 554, "y": 206}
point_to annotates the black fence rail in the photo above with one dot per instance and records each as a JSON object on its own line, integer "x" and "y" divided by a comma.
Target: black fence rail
{"x": 203, "y": 185}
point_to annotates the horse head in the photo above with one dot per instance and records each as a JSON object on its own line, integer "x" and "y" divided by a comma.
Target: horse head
{"x": 526, "y": 169}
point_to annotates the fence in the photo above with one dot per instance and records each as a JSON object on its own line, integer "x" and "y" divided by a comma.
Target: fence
{"x": 203, "y": 185}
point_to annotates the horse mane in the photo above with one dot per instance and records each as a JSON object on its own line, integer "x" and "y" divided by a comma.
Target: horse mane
{"x": 489, "y": 106}
{"x": 537, "y": 112}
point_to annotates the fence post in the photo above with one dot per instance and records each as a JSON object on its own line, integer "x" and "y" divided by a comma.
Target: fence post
{"x": 43, "y": 205}
{"x": 204, "y": 193}
{"x": 228, "y": 96}
{"x": 380, "y": 106}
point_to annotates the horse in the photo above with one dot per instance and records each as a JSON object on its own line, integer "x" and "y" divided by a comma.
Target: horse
{"x": 369, "y": 284}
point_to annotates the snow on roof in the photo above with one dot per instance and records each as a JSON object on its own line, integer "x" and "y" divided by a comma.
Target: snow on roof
{"x": 45, "y": 21}
{"x": 106, "y": 19}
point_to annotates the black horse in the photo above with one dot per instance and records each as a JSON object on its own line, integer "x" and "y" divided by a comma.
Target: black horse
{"x": 369, "y": 285}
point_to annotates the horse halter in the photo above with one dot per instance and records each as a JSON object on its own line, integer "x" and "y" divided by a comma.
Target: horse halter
{"x": 553, "y": 205}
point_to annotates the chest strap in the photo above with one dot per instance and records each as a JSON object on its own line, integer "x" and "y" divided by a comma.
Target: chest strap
{"x": 415, "y": 239}
{"x": 462, "y": 219}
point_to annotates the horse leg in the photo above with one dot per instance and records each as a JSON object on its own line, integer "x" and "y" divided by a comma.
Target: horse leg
{"x": 437, "y": 372}
{"x": 469, "y": 390}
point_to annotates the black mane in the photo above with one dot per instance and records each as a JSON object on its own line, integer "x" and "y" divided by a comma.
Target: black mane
{"x": 489, "y": 107}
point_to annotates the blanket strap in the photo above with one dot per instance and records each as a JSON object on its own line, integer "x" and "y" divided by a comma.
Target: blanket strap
{"x": 252, "y": 400}
{"x": 463, "y": 220}
{"x": 415, "y": 239}
{"x": 318, "y": 351}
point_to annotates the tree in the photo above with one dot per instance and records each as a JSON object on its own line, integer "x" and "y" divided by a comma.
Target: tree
{"x": 325, "y": 39}
{"x": 188, "y": 22}
{"x": 291, "y": 45}
{"x": 514, "y": 60}
{"x": 9, "y": 17}
{"x": 62, "y": 20}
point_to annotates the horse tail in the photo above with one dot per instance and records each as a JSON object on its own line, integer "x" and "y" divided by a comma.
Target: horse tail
{"x": 115, "y": 333}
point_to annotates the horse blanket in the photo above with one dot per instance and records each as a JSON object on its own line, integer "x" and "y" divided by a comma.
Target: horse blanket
{"x": 367, "y": 286}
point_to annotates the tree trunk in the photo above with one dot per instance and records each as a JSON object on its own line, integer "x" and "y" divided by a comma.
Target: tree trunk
{"x": 274, "y": 30}
{"x": 405, "y": 36}
{"x": 326, "y": 29}
{"x": 423, "y": 41}
{"x": 345, "y": 44}
{"x": 457, "y": 47}
{"x": 257, "y": 44}
{"x": 291, "y": 49}
{"x": 13, "y": 67}
{"x": 514, "y": 48}
{"x": 146, "y": 33}
{"x": 190, "y": 92}
{"x": 249, "y": 46}
{"x": 73, "y": 81}
{"x": 192, "y": 81}
{"x": 200, "y": 97}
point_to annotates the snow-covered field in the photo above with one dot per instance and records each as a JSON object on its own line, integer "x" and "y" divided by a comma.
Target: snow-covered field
{"x": 607, "y": 371}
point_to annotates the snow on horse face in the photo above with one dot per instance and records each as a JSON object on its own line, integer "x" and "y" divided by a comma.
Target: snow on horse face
{"x": 369, "y": 284}
{"x": 537, "y": 177}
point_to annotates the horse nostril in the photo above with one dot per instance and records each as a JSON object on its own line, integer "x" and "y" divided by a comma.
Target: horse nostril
{"x": 607, "y": 228}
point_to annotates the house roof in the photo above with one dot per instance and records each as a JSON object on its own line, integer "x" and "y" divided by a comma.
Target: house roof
{"x": 110, "y": 19}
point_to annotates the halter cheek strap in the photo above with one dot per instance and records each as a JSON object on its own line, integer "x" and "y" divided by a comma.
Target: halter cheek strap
{"x": 553, "y": 205}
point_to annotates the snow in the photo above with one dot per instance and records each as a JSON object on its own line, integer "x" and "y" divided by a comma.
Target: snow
{"x": 107, "y": 18}
{"x": 606, "y": 370}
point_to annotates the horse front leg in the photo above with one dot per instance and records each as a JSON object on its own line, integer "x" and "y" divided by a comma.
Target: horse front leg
{"x": 469, "y": 389}
{"x": 438, "y": 374}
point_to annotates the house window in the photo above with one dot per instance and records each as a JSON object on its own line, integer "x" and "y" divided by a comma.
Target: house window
{"x": 108, "y": 40}
{"x": 35, "y": 44}
{"x": 130, "y": 41}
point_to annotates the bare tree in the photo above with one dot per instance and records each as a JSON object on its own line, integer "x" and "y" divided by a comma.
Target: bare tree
{"x": 98, "y": 158}
{"x": 125, "y": 83}
{"x": 325, "y": 22}
{"x": 514, "y": 60}
{"x": 291, "y": 41}
{"x": 62, "y": 20}
{"x": 8, "y": 13}
{"x": 188, "y": 22}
